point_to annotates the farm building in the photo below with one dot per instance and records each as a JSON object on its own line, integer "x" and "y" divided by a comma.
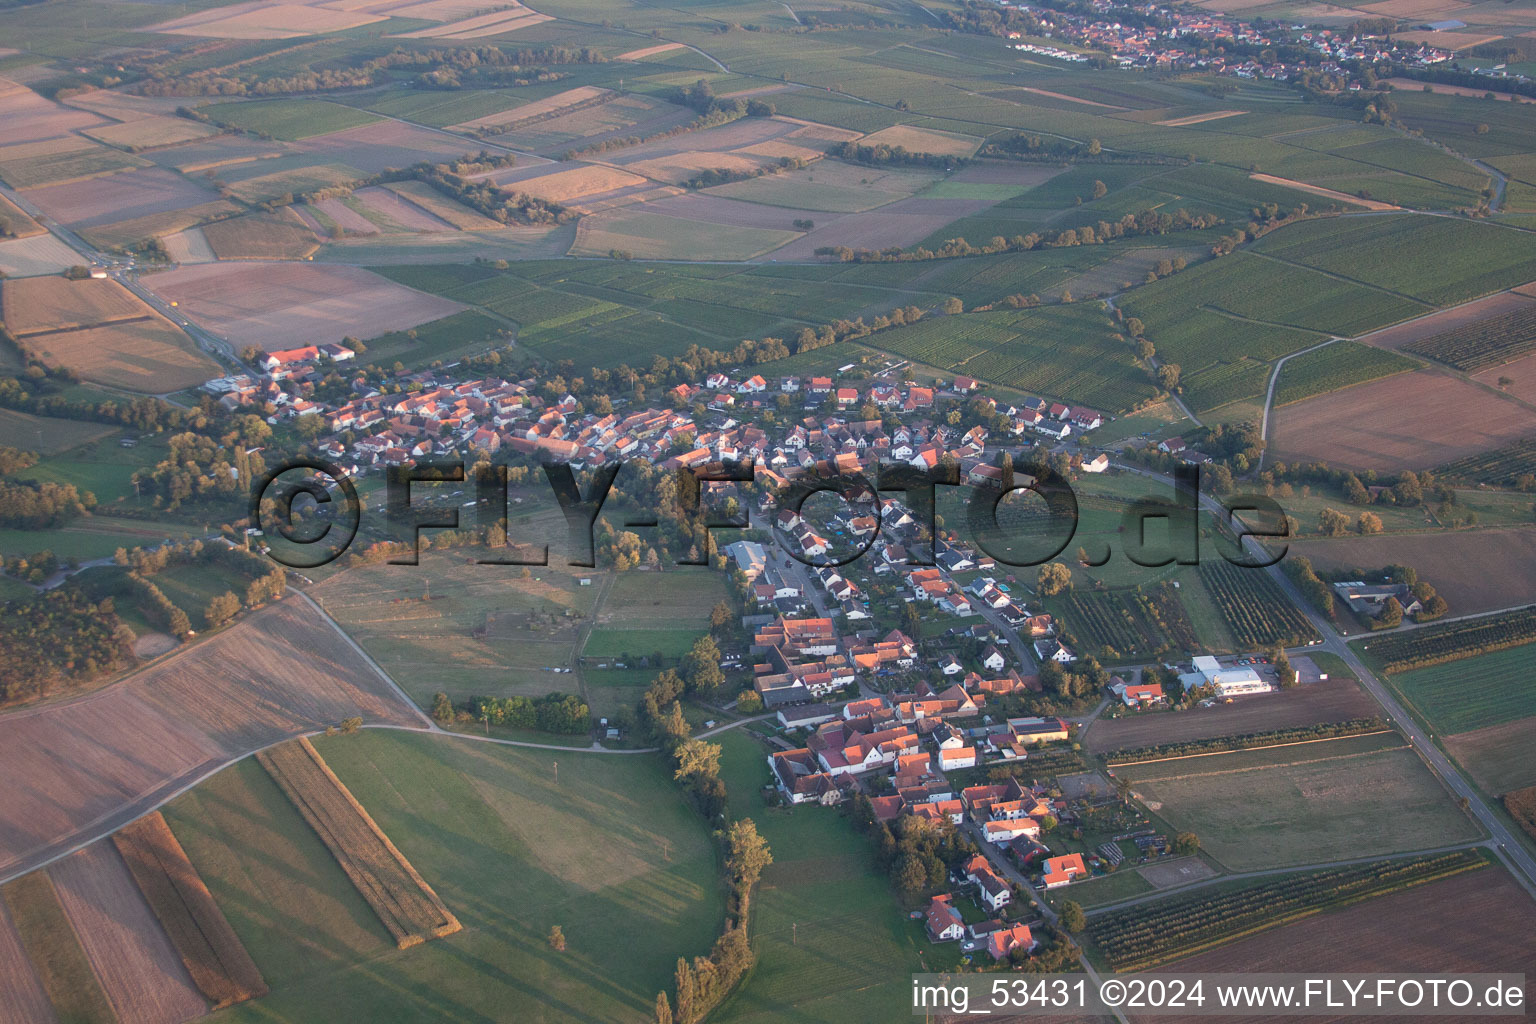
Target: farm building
{"x": 1229, "y": 682}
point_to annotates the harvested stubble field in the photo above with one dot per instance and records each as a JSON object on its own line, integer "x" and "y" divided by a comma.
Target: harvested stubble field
{"x": 1398, "y": 423}
{"x": 77, "y": 165}
{"x": 831, "y": 186}
{"x": 26, "y": 116}
{"x": 14, "y": 223}
{"x": 155, "y": 225}
{"x": 293, "y": 181}
{"x": 260, "y": 19}
{"x": 140, "y": 971}
{"x": 923, "y": 140}
{"x": 55, "y": 303}
{"x": 655, "y": 236}
{"x": 1386, "y": 933}
{"x": 23, "y": 999}
{"x": 261, "y": 236}
{"x": 1317, "y": 802}
{"x": 79, "y": 767}
{"x": 562, "y": 183}
{"x": 123, "y": 197}
{"x": 150, "y": 355}
{"x": 394, "y": 212}
{"x": 53, "y": 954}
{"x": 386, "y": 144}
{"x": 407, "y": 905}
{"x": 439, "y": 205}
{"x": 35, "y": 256}
{"x": 272, "y": 304}
{"x": 151, "y": 132}
{"x": 214, "y": 956}
{"x": 904, "y": 222}
{"x": 535, "y": 109}
{"x": 1336, "y": 700}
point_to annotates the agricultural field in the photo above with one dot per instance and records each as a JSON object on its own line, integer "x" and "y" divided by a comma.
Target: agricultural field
{"x": 30, "y": 165}
{"x": 1443, "y": 642}
{"x": 831, "y": 186}
{"x": 923, "y": 140}
{"x": 1332, "y": 800}
{"x": 655, "y": 236}
{"x": 104, "y": 333}
{"x": 289, "y": 119}
{"x": 467, "y": 630}
{"x": 1066, "y": 352}
{"x": 1255, "y": 608}
{"x": 138, "y": 967}
{"x": 16, "y": 224}
{"x": 1335, "y": 367}
{"x": 1451, "y": 260}
{"x": 1497, "y": 756}
{"x": 276, "y": 673}
{"x": 1475, "y": 571}
{"x": 261, "y": 236}
{"x": 1484, "y": 343}
{"x": 406, "y": 904}
{"x": 220, "y": 966}
{"x": 1270, "y": 293}
{"x": 1120, "y": 625}
{"x": 40, "y": 941}
{"x": 1468, "y": 906}
{"x": 151, "y": 133}
{"x": 277, "y": 302}
{"x": 1469, "y": 694}
{"x": 1333, "y": 700}
{"x": 610, "y": 852}
{"x": 1146, "y": 936}
{"x": 35, "y": 256}
{"x": 1397, "y": 423}
{"x": 1220, "y": 384}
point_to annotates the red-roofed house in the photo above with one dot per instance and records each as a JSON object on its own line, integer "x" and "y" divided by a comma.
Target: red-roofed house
{"x": 942, "y": 920}
{"x": 1003, "y": 942}
{"x": 1060, "y": 871}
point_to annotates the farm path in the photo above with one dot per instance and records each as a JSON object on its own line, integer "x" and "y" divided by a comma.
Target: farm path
{"x": 1505, "y": 845}
{"x": 1270, "y": 872}
{"x": 1189, "y": 413}
{"x": 1274, "y": 381}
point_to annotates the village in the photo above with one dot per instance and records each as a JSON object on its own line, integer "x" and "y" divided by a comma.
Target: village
{"x": 1149, "y": 36}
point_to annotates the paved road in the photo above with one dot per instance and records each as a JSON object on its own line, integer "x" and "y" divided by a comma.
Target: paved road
{"x": 1502, "y": 841}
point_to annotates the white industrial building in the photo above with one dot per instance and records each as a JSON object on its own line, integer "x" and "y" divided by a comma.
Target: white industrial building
{"x": 1228, "y": 682}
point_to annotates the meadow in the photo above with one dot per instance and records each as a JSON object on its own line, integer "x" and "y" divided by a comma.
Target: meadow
{"x": 832, "y": 940}
{"x": 608, "y": 852}
{"x": 289, "y": 119}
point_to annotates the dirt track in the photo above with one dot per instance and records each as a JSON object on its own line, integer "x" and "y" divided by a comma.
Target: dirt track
{"x": 76, "y": 770}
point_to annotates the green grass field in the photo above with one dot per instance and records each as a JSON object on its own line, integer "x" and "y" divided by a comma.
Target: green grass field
{"x": 1475, "y": 692}
{"x": 1304, "y": 805}
{"x": 290, "y": 119}
{"x": 609, "y": 854}
{"x": 614, "y": 643}
{"x": 833, "y": 944}
{"x": 1338, "y": 366}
